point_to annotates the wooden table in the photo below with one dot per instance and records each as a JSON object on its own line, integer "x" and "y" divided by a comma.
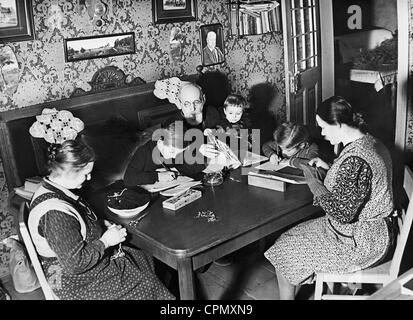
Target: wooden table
{"x": 245, "y": 214}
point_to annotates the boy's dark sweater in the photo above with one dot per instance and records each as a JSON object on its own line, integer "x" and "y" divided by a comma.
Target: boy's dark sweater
{"x": 142, "y": 168}
{"x": 301, "y": 157}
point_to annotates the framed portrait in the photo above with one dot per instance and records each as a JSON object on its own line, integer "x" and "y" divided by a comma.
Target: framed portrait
{"x": 169, "y": 11}
{"x": 99, "y": 46}
{"x": 212, "y": 44}
{"x": 16, "y": 20}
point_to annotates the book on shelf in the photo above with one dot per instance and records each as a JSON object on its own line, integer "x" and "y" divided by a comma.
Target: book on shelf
{"x": 256, "y": 19}
{"x": 32, "y": 183}
{"x": 23, "y": 193}
{"x": 29, "y": 187}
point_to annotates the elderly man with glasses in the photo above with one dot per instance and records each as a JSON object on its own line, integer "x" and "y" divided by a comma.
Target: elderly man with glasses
{"x": 196, "y": 115}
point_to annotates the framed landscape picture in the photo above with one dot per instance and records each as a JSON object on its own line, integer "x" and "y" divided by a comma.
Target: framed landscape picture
{"x": 16, "y": 20}
{"x": 99, "y": 46}
{"x": 169, "y": 11}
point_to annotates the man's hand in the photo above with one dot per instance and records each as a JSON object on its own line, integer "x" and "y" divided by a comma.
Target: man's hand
{"x": 208, "y": 150}
{"x": 166, "y": 176}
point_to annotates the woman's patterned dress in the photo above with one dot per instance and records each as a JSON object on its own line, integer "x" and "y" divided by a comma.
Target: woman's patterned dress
{"x": 353, "y": 234}
{"x": 83, "y": 269}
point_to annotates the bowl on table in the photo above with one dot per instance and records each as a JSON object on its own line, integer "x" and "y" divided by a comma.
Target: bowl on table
{"x": 127, "y": 202}
{"x": 129, "y": 213}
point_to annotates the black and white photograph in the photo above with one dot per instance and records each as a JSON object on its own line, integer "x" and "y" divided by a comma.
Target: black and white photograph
{"x": 170, "y": 11}
{"x": 281, "y": 131}
{"x": 16, "y": 20}
{"x": 99, "y": 46}
{"x": 8, "y": 13}
{"x": 174, "y": 4}
{"x": 212, "y": 44}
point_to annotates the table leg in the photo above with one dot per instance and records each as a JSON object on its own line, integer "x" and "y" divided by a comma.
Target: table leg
{"x": 186, "y": 279}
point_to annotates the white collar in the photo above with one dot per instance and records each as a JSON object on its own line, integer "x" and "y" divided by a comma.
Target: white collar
{"x": 67, "y": 192}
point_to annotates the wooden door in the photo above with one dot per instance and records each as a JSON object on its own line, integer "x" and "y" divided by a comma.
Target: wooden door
{"x": 302, "y": 47}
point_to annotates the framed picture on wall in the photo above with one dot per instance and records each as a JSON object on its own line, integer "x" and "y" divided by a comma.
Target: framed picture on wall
{"x": 99, "y": 46}
{"x": 212, "y": 44}
{"x": 169, "y": 11}
{"x": 16, "y": 20}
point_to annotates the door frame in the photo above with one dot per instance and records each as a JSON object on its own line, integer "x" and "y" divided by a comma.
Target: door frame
{"x": 327, "y": 53}
{"x": 403, "y": 16}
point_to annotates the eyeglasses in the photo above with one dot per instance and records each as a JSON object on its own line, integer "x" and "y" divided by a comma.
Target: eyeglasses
{"x": 196, "y": 104}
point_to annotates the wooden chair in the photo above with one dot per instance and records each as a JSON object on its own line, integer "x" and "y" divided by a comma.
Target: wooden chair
{"x": 31, "y": 250}
{"x": 381, "y": 274}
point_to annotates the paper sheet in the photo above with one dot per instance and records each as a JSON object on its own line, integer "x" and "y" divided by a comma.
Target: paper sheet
{"x": 270, "y": 166}
{"x": 180, "y": 189}
{"x": 159, "y": 186}
{"x": 252, "y": 158}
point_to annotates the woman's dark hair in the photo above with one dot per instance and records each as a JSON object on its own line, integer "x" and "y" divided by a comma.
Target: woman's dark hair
{"x": 336, "y": 110}
{"x": 291, "y": 134}
{"x": 172, "y": 134}
{"x": 235, "y": 100}
{"x": 71, "y": 154}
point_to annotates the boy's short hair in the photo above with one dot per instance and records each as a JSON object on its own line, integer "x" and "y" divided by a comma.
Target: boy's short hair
{"x": 235, "y": 100}
{"x": 291, "y": 134}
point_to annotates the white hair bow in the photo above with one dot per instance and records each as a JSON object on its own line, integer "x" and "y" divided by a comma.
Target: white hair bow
{"x": 56, "y": 126}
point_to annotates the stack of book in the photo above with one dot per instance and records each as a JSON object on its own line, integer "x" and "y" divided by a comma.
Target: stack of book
{"x": 275, "y": 177}
{"x": 256, "y": 17}
{"x": 30, "y": 186}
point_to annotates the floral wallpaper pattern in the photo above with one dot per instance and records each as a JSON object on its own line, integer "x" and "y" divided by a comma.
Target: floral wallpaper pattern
{"x": 409, "y": 135}
{"x": 45, "y": 76}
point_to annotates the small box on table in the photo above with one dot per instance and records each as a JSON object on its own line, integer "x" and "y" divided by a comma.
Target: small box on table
{"x": 266, "y": 182}
{"x": 182, "y": 199}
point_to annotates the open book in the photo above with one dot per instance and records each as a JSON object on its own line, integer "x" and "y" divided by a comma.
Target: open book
{"x": 281, "y": 172}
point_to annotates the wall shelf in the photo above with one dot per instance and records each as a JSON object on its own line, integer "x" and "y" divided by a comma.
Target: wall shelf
{"x": 254, "y": 17}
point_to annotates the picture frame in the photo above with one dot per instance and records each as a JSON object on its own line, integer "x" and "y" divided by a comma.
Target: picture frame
{"x": 16, "y": 23}
{"x": 212, "y": 44}
{"x": 170, "y": 11}
{"x": 101, "y": 46}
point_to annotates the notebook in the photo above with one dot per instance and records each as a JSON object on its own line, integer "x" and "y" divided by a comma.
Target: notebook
{"x": 160, "y": 186}
{"x": 280, "y": 172}
{"x": 180, "y": 189}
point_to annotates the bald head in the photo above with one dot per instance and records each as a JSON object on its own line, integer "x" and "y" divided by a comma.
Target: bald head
{"x": 191, "y": 100}
{"x": 211, "y": 39}
{"x": 189, "y": 90}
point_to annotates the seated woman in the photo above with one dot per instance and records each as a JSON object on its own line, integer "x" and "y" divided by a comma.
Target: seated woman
{"x": 167, "y": 149}
{"x": 357, "y": 198}
{"x": 78, "y": 255}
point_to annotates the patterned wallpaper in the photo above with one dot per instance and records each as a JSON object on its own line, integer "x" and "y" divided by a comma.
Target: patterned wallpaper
{"x": 45, "y": 76}
{"x": 409, "y": 135}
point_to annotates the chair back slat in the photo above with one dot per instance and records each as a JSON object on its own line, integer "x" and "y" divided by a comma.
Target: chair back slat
{"x": 31, "y": 250}
{"x": 408, "y": 181}
{"x": 406, "y": 225}
{"x": 400, "y": 225}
